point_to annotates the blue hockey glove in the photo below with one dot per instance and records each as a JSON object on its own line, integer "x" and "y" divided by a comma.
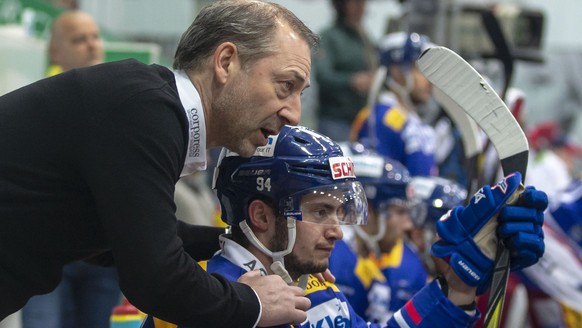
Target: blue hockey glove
{"x": 520, "y": 227}
{"x": 469, "y": 234}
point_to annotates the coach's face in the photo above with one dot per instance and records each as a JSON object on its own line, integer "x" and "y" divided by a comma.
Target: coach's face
{"x": 258, "y": 100}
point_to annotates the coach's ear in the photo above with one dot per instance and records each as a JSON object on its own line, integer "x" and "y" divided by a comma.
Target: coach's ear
{"x": 226, "y": 61}
{"x": 261, "y": 216}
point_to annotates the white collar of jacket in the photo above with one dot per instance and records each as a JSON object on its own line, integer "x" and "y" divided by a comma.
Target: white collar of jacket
{"x": 190, "y": 98}
{"x": 240, "y": 256}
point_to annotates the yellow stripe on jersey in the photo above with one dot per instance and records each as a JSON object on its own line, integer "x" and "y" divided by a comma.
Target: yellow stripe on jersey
{"x": 392, "y": 259}
{"x": 314, "y": 285}
{"x": 358, "y": 122}
{"x": 367, "y": 271}
{"x": 394, "y": 119}
{"x": 203, "y": 264}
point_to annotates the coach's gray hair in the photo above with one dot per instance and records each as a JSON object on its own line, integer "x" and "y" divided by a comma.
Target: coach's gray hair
{"x": 250, "y": 25}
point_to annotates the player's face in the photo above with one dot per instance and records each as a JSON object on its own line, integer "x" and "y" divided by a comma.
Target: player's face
{"x": 262, "y": 98}
{"x": 422, "y": 90}
{"x": 315, "y": 241}
{"x": 397, "y": 223}
{"x": 80, "y": 43}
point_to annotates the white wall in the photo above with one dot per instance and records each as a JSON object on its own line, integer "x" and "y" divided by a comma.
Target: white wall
{"x": 563, "y": 22}
{"x": 22, "y": 58}
{"x": 135, "y": 18}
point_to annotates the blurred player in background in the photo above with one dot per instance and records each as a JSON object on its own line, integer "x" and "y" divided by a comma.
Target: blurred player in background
{"x": 430, "y": 198}
{"x": 380, "y": 242}
{"x": 391, "y": 123}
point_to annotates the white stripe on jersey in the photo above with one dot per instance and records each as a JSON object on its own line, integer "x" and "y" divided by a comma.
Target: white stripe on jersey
{"x": 400, "y": 320}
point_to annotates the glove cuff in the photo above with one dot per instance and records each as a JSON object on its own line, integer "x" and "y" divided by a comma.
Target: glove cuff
{"x": 466, "y": 259}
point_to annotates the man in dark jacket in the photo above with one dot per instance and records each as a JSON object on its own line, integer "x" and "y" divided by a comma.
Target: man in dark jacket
{"x": 90, "y": 158}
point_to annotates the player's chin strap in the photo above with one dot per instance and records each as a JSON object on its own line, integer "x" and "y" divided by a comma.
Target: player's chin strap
{"x": 371, "y": 241}
{"x": 403, "y": 90}
{"x": 278, "y": 265}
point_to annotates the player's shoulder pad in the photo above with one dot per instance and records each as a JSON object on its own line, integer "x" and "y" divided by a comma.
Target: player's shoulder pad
{"x": 394, "y": 118}
{"x": 367, "y": 272}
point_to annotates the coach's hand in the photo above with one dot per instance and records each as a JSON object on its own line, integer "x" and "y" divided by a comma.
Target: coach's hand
{"x": 282, "y": 304}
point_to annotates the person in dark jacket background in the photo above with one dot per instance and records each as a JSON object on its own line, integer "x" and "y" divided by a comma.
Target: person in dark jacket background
{"x": 344, "y": 69}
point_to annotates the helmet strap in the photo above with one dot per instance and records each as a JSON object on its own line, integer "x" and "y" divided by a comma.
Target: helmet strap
{"x": 403, "y": 91}
{"x": 372, "y": 241}
{"x": 276, "y": 256}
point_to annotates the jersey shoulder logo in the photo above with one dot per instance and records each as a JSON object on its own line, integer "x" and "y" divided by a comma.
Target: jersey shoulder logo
{"x": 394, "y": 119}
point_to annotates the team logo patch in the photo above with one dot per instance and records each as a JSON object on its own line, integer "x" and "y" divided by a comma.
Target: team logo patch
{"x": 341, "y": 167}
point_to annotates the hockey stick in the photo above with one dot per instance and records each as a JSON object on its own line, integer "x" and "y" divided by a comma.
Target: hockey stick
{"x": 502, "y": 48}
{"x": 504, "y": 54}
{"x": 472, "y": 144}
{"x": 463, "y": 85}
{"x": 377, "y": 83}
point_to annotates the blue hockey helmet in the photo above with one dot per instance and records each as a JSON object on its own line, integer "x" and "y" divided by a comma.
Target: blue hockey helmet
{"x": 432, "y": 197}
{"x": 384, "y": 179}
{"x": 401, "y": 48}
{"x": 295, "y": 165}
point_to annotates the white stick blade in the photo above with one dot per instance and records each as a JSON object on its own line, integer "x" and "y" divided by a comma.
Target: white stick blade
{"x": 472, "y": 142}
{"x": 464, "y": 86}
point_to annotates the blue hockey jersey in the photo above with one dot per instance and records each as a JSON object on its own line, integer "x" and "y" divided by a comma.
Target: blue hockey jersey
{"x": 362, "y": 282}
{"x": 404, "y": 272}
{"x": 329, "y": 306}
{"x": 400, "y": 135}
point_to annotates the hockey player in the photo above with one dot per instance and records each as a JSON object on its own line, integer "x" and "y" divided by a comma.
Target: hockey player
{"x": 430, "y": 199}
{"x": 380, "y": 242}
{"x": 285, "y": 205}
{"x": 395, "y": 128}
